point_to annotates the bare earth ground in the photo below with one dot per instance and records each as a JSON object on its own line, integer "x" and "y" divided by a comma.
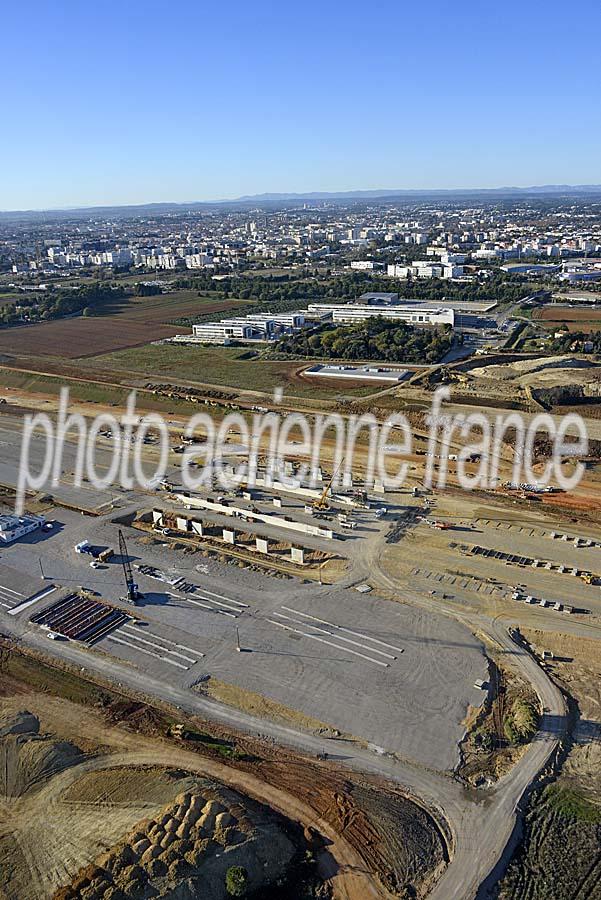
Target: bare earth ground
{"x": 560, "y": 857}
{"x": 369, "y": 829}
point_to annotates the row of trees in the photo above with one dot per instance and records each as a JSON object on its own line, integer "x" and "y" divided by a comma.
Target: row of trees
{"x": 57, "y": 304}
{"x": 499, "y": 287}
{"x": 376, "y": 338}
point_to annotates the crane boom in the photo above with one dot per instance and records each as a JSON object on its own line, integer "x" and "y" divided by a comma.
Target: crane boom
{"x": 132, "y": 592}
{"x": 321, "y": 503}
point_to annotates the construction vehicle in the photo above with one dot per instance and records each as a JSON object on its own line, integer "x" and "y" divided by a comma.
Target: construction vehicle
{"x": 132, "y": 592}
{"x": 589, "y": 578}
{"x": 322, "y": 501}
{"x": 106, "y": 554}
{"x": 178, "y": 731}
{"x": 83, "y": 547}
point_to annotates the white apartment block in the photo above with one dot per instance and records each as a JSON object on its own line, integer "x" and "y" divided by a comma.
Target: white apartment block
{"x": 199, "y": 261}
{"x": 364, "y": 265}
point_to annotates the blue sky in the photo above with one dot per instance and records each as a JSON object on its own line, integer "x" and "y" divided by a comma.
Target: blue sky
{"x": 144, "y": 101}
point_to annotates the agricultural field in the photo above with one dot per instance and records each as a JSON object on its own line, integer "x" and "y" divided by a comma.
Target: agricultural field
{"x": 573, "y": 318}
{"x": 165, "y": 308}
{"x": 239, "y": 367}
{"x": 133, "y": 322}
{"x": 80, "y": 337}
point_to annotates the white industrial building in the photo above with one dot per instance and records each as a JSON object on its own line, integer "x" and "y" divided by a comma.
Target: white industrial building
{"x": 414, "y": 315}
{"x": 254, "y": 327}
{"x": 220, "y": 332}
{"x": 356, "y": 373}
{"x": 423, "y": 268}
{"x": 582, "y": 270}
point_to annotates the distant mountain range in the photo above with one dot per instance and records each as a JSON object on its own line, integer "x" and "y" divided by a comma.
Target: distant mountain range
{"x": 273, "y": 199}
{"x": 417, "y": 193}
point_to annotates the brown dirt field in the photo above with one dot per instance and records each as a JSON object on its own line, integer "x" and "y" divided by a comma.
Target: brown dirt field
{"x": 138, "y": 321}
{"x": 569, "y": 314}
{"x": 261, "y": 706}
{"x": 574, "y": 318}
{"x": 577, "y": 665}
{"x": 76, "y": 338}
{"x": 370, "y": 827}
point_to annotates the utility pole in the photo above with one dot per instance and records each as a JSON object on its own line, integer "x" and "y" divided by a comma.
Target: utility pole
{"x": 42, "y": 576}
{"x": 238, "y": 647}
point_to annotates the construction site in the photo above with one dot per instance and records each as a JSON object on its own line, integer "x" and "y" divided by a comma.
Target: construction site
{"x": 366, "y": 630}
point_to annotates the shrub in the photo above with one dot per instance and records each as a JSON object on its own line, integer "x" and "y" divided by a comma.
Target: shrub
{"x": 236, "y": 881}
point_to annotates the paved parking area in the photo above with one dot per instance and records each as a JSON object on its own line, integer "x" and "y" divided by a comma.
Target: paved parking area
{"x": 19, "y": 591}
{"x": 396, "y": 676}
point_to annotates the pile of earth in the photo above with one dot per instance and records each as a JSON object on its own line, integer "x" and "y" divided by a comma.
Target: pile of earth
{"x": 187, "y": 850}
{"x": 513, "y": 370}
{"x": 28, "y": 758}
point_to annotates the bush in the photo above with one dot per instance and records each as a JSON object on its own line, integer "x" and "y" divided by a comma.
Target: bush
{"x": 236, "y": 881}
{"x": 521, "y": 723}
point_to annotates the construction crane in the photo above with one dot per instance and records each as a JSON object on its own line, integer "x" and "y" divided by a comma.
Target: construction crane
{"x": 133, "y": 594}
{"x": 322, "y": 502}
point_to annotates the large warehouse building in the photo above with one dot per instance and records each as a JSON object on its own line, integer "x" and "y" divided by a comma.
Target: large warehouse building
{"x": 414, "y": 315}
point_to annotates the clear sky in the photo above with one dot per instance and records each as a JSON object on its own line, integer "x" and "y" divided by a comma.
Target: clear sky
{"x": 137, "y": 101}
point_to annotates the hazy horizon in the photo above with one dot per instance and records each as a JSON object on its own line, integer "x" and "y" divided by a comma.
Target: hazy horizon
{"x": 353, "y": 193}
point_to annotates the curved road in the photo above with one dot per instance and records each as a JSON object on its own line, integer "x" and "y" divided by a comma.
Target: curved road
{"x": 481, "y": 822}
{"x": 482, "y": 829}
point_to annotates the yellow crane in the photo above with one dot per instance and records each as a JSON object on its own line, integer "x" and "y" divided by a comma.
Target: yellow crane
{"x": 322, "y": 502}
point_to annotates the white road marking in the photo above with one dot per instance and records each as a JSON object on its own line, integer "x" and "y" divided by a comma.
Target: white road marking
{"x": 12, "y": 596}
{"x": 222, "y": 604}
{"x": 26, "y": 603}
{"x": 11, "y": 591}
{"x": 5, "y": 605}
{"x": 342, "y": 628}
{"x": 135, "y": 637}
{"x": 331, "y": 634}
{"x": 221, "y": 597}
{"x": 329, "y": 643}
{"x": 212, "y": 609}
{"x": 164, "y": 640}
{"x": 172, "y": 662}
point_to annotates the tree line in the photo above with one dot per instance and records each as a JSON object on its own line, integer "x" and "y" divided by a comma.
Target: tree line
{"x": 57, "y": 304}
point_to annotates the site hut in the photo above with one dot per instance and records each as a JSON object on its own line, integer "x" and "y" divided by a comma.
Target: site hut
{"x": 14, "y": 527}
